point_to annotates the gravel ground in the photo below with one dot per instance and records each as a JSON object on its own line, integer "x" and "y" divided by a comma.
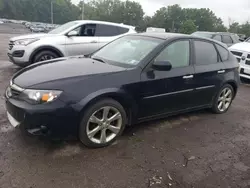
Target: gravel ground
{"x": 197, "y": 149}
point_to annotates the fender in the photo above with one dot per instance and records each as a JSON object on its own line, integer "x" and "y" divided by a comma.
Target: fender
{"x": 46, "y": 47}
{"x": 108, "y": 92}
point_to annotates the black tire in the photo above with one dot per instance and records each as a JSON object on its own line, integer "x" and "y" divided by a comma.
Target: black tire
{"x": 87, "y": 114}
{"x": 48, "y": 53}
{"x": 215, "y": 107}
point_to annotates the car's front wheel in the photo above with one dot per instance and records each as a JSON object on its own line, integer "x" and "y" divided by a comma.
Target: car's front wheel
{"x": 44, "y": 55}
{"x": 223, "y": 99}
{"x": 102, "y": 123}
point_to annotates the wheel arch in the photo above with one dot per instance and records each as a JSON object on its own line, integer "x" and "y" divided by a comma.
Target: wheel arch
{"x": 234, "y": 85}
{"x": 126, "y": 100}
{"x": 43, "y": 48}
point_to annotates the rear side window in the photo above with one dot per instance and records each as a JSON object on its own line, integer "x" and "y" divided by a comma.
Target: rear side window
{"x": 122, "y": 30}
{"x": 217, "y": 37}
{"x": 103, "y": 30}
{"x": 227, "y": 39}
{"x": 205, "y": 53}
{"x": 224, "y": 54}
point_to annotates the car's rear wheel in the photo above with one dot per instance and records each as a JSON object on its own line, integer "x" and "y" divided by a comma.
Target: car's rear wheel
{"x": 223, "y": 99}
{"x": 102, "y": 123}
{"x": 44, "y": 55}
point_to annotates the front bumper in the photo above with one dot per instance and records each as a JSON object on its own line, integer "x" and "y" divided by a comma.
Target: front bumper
{"x": 55, "y": 119}
{"x": 19, "y": 55}
{"x": 245, "y": 72}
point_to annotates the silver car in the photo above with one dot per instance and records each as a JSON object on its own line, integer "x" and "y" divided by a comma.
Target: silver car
{"x": 73, "y": 38}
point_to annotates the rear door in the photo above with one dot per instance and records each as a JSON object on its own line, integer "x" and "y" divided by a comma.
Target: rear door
{"x": 169, "y": 91}
{"x": 85, "y": 42}
{"x": 108, "y": 33}
{"x": 209, "y": 71}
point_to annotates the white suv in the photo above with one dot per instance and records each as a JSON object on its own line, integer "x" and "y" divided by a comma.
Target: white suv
{"x": 73, "y": 38}
{"x": 242, "y": 53}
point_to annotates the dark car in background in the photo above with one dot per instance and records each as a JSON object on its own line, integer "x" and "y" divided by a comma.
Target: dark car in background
{"x": 227, "y": 38}
{"x": 135, "y": 78}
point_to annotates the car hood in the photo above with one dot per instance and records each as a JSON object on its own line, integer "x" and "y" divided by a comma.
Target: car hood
{"x": 62, "y": 68}
{"x": 242, "y": 46}
{"x": 21, "y": 37}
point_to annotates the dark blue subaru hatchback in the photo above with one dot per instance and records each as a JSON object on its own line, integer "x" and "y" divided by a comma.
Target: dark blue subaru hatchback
{"x": 132, "y": 79}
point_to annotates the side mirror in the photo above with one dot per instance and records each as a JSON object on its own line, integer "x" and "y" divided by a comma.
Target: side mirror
{"x": 72, "y": 33}
{"x": 162, "y": 65}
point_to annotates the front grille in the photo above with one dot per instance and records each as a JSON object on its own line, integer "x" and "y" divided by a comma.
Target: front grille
{"x": 242, "y": 72}
{"x": 11, "y": 45}
{"x": 247, "y": 62}
{"x": 237, "y": 53}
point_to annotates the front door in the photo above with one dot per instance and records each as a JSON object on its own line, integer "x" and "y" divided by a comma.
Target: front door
{"x": 168, "y": 91}
{"x": 209, "y": 71}
{"x": 85, "y": 42}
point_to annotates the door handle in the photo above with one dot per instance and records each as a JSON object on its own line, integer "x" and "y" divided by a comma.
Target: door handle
{"x": 221, "y": 71}
{"x": 94, "y": 41}
{"x": 188, "y": 76}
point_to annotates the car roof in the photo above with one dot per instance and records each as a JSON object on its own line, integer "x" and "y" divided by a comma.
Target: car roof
{"x": 210, "y": 32}
{"x": 163, "y": 36}
{"x": 103, "y": 22}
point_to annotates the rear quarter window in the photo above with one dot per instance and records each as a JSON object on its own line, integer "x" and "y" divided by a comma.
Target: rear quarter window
{"x": 122, "y": 30}
{"x": 224, "y": 53}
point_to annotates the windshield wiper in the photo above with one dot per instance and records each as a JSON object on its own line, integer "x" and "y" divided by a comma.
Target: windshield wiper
{"x": 98, "y": 59}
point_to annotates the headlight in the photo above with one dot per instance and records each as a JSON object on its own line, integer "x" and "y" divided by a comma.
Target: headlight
{"x": 25, "y": 42}
{"x": 40, "y": 96}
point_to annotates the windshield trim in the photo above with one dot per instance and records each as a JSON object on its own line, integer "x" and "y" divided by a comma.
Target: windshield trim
{"x": 67, "y": 30}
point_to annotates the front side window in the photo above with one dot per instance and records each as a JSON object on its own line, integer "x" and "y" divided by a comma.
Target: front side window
{"x": 217, "y": 37}
{"x": 176, "y": 53}
{"x": 205, "y": 53}
{"x": 87, "y": 30}
{"x": 127, "y": 51}
{"x": 227, "y": 39}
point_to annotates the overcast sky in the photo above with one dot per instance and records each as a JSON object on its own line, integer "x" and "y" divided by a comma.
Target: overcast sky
{"x": 236, "y": 10}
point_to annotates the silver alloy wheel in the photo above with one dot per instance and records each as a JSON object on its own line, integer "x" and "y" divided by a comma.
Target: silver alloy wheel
{"x": 104, "y": 125}
{"x": 46, "y": 57}
{"x": 225, "y": 99}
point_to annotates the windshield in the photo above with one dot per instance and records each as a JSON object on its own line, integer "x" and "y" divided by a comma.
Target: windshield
{"x": 247, "y": 40}
{"x": 63, "y": 27}
{"x": 201, "y": 34}
{"x": 127, "y": 51}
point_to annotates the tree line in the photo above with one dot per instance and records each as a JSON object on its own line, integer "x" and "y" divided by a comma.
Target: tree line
{"x": 173, "y": 18}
